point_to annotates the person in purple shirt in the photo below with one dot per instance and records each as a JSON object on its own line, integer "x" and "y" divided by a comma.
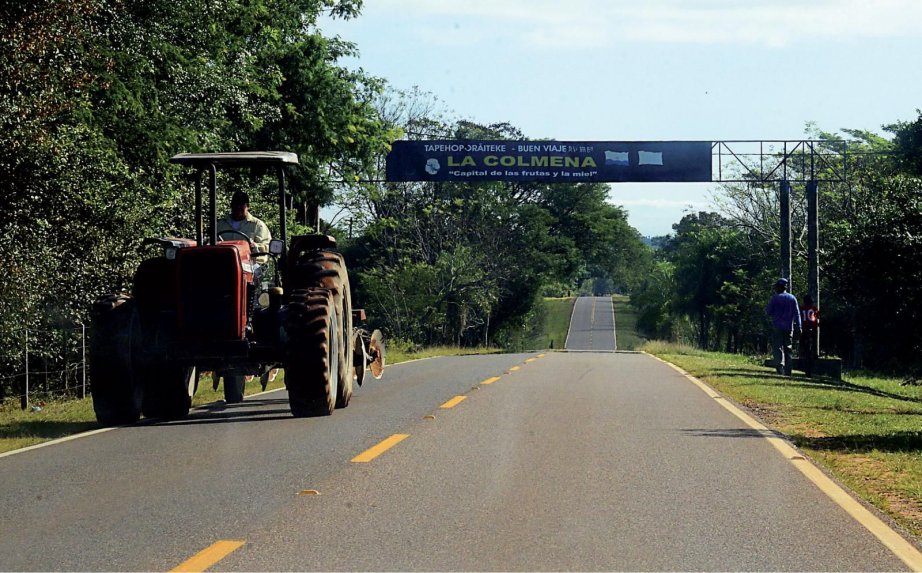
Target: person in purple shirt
{"x": 785, "y": 314}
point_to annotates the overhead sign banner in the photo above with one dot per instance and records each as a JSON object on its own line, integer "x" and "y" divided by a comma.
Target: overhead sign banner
{"x": 550, "y": 161}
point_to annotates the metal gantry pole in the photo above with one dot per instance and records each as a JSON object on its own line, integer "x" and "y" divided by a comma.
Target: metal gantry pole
{"x": 813, "y": 249}
{"x": 786, "y": 232}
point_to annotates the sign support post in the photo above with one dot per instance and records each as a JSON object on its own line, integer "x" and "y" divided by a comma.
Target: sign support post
{"x": 813, "y": 247}
{"x": 786, "y": 232}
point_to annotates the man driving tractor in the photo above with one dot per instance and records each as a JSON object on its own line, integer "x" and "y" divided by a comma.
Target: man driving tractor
{"x": 242, "y": 221}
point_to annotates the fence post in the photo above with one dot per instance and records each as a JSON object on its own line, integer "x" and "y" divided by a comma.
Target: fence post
{"x": 83, "y": 351}
{"x": 24, "y": 399}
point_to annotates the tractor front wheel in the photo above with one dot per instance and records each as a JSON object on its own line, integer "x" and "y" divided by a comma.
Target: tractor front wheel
{"x": 116, "y": 332}
{"x": 312, "y": 365}
{"x": 327, "y": 269}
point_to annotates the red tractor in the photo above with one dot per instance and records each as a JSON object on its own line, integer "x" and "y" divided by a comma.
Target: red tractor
{"x": 209, "y": 304}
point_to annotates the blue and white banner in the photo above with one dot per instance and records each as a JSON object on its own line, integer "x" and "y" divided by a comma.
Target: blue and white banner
{"x": 550, "y": 161}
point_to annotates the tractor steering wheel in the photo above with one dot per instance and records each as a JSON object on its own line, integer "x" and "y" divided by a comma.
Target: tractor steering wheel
{"x": 242, "y": 234}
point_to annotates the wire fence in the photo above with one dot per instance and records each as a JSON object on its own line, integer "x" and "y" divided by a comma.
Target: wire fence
{"x": 45, "y": 364}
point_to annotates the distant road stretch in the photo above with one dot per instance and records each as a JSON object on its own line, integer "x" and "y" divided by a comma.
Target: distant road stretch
{"x": 592, "y": 325}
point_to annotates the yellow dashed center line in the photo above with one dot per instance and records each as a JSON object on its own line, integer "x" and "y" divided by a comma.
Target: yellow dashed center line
{"x": 530, "y": 360}
{"x": 453, "y": 402}
{"x": 207, "y": 557}
{"x": 514, "y": 368}
{"x": 375, "y": 451}
{"x": 540, "y": 356}
{"x": 490, "y": 380}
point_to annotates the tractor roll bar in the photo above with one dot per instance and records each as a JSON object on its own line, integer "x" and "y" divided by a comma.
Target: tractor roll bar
{"x": 236, "y": 159}
{"x": 212, "y": 161}
{"x": 283, "y": 227}
{"x": 198, "y": 207}
{"x": 212, "y": 204}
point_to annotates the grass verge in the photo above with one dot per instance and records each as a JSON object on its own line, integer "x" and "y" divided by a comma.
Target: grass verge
{"x": 626, "y": 323}
{"x": 63, "y": 417}
{"x": 554, "y": 325}
{"x": 865, "y": 430}
{"x": 397, "y": 354}
{"x": 557, "y": 322}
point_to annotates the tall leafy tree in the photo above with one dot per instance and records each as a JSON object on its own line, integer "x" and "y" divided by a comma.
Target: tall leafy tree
{"x": 508, "y": 239}
{"x": 869, "y": 229}
{"x": 96, "y": 95}
{"x": 872, "y": 264}
{"x": 713, "y": 278}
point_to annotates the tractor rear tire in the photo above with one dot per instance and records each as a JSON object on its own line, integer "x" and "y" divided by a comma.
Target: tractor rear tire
{"x": 233, "y": 388}
{"x": 312, "y": 368}
{"x": 327, "y": 269}
{"x": 117, "y": 393}
{"x": 167, "y": 391}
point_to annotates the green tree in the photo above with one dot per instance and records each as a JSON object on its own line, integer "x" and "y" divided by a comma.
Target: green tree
{"x": 873, "y": 294}
{"x": 96, "y": 95}
{"x": 869, "y": 230}
{"x": 907, "y": 142}
{"x": 719, "y": 276}
{"x": 509, "y": 239}
{"x": 654, "y": 300}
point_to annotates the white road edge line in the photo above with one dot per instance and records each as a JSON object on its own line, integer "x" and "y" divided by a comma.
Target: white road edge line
{"x": 566, "y": 342}
{"x": 614, "y": 325}
{"x": 890, "y": 538}
{"x": 89, "y": 433}
{"x": 58, "y": 441}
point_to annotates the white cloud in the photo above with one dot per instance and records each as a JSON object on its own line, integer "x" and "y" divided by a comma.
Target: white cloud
{"x": 586, "y": 24}
{"x": 778, "y": 24}
{"x": 660, "y": 203}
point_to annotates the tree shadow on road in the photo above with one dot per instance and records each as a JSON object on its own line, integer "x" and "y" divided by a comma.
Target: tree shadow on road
{"x": 907, "y": 442}
{"x": 732, "y": 433}
{"x": 799, "y": 381}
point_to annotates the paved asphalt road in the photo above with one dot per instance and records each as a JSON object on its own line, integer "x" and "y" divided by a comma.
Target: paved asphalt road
{"x": 592, "y": 324}
{"x": 566, "y": 461}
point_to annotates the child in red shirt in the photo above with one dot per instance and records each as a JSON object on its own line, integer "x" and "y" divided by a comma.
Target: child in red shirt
{"x": 810, "y": 322}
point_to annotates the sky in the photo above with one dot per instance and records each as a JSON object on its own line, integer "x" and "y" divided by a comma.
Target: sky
{"x": 649, "y": 70}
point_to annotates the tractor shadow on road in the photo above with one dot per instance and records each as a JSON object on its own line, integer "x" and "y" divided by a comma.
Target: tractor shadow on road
{"x": 255, "y": 410}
